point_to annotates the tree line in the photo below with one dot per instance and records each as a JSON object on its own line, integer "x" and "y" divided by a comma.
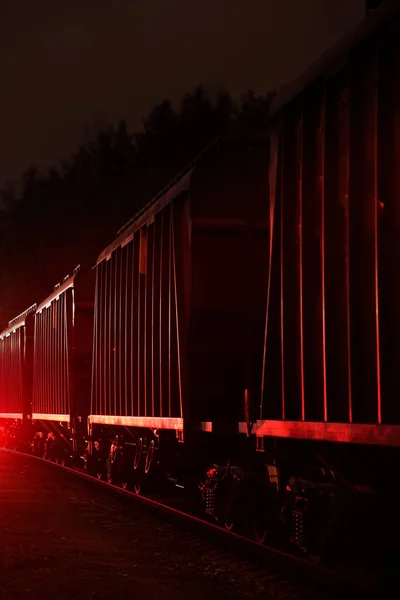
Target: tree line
{"x": 66, "y": 216}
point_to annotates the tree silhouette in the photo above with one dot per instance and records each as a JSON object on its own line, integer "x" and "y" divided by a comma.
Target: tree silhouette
{"x": 66, "y": 216}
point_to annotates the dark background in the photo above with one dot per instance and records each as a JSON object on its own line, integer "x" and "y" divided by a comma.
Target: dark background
{"x": 79, "y": 78}
{"x": 64, "y": 63}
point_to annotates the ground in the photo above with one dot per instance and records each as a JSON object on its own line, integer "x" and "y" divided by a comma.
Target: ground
{"x": 66, "y": 538}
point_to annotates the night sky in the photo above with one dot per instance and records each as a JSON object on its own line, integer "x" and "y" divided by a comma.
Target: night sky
{"x": 62, "y": 62}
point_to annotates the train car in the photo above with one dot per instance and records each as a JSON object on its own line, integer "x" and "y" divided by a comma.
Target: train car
{"x": 246, "y": 321}
{"x": 16, "y": 371}
{"x": 330, "y": 381}
{"x": 63, "y": 332}
{"x": 179, "y": 313}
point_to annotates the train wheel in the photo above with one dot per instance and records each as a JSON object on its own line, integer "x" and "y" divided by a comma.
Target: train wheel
{"x": 228, "y": 525}
{"x": 259, "y": 532}
{"x": 230, "y": 514}
{"x": 228, "y": 509}
{"x": 138, "y": 453}
{"x": 258, "y": 520}
{"x": 317, "y": 553}
{"x": 149, "y": 457}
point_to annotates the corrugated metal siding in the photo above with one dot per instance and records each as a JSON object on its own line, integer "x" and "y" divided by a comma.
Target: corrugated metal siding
{"x": 136, "y": 357}
{"x": 12, "y": 347}
{"x": 52, "y": 356}
{"x": 334, "y": 302}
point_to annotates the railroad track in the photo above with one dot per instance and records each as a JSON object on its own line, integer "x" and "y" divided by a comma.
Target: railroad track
{"x": 226, "y": 550}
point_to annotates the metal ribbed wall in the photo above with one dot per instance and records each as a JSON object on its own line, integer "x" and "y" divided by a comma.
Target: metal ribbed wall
{"x": 52, "y": 356}
{"x": 11, "y": 371}
{"x": 333, "y": 328}
{"x": 136, "y": 358}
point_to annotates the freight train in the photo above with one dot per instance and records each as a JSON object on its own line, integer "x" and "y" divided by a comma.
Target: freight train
{"x": 240, "y": 336}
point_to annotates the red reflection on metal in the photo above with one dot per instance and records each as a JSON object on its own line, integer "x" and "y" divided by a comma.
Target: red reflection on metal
{"x": 17, "y": 416}
{"x": 50, "y": 417}
{"x": 300, "y": 234}
{"x": 376, "y": 240}
{"x": 344, "y": 132}
{"x": 206, "y": 426}
{"x": 272, "y": 179}
{"x": 139, "y": 322}
{"x": 16, "y": 366}
{"x": 53, "y": 341}
{"x": 321, "y": 142}
{"x": 178, "y": 307}
{"x": 247, "y": 411}
{"x": 150, "y": 422}
{"x": 281, "y": 277}
{"x": 385, "y": 435}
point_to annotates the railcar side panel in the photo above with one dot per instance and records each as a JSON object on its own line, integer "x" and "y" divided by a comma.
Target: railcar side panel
{"x": 11, "y": 368}
{"x": 82, "y": 343}
{"x": 62, "y": 351}
{"x": 16, "y": 344}
{"x": 335, "y": 251}
{"x": 226, "y": 322}
{"x": 53, "y": 358}
{"x": 229, "y": 238}
{"x": 180, "y": 301}
{"x": 388, "y": 195}
{"x": 139, "y": 331}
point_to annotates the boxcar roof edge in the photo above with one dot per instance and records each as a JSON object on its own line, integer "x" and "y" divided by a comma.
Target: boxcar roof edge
{"x": 57, "y": 292}
{"x": 153, "y": 206}
{"x": 18, "y": 321}
{"x": 335, "y": 54}
{"x": 170, "y": 184}
{"x": 182, "y": 185}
